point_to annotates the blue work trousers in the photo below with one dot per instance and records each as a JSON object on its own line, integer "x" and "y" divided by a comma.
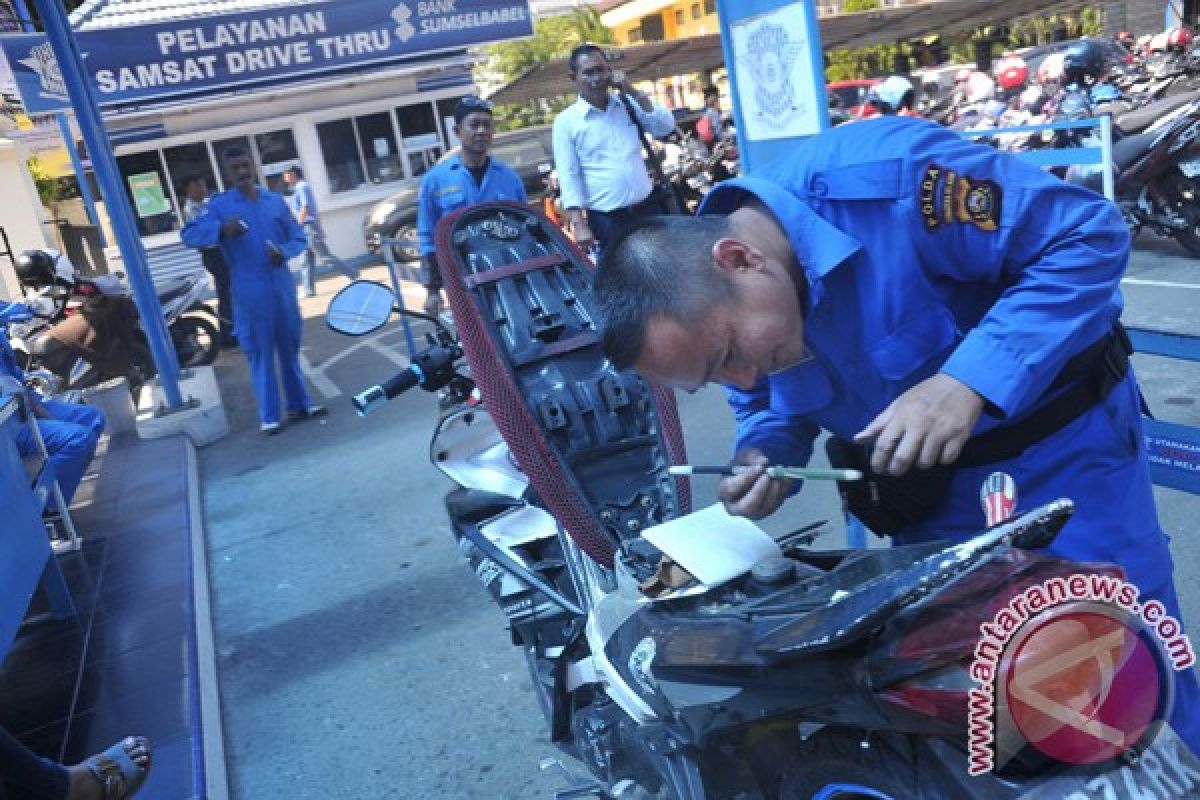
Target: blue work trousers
{"x": 269, "y": 328}
{"x": 71, "y": 437}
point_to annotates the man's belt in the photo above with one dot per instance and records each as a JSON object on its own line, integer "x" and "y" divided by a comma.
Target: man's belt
{"x": 1089, "y": 376}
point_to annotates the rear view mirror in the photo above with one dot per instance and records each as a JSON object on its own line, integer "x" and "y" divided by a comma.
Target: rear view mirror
{"x": 360, "y": 308}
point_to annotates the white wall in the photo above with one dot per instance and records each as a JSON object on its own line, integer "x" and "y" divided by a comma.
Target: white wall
{"x": 20, "y": 212}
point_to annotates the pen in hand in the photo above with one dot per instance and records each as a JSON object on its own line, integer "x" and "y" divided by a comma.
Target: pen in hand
{"x": 798, "y": 473}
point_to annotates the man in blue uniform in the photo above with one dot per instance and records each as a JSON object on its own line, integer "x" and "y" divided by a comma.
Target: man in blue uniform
{"x": 909, "y": 291}
{"x": 70, "y": 431}
{"x": 303, "y": 203}
{"x": 258, "y": 235}
{"x": 465, "y": 179}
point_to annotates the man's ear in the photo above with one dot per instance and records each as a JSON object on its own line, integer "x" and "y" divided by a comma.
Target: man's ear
{"x": 734, "y": 255}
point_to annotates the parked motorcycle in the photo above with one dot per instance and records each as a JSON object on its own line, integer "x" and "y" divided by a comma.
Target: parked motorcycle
{"x": 773, "y": 671}
{"x": 192, "y": 324}
{"x": 1157, "y": 177}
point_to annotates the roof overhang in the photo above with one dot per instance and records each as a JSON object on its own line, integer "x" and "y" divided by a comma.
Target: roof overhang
{"x": 686, "y": 56}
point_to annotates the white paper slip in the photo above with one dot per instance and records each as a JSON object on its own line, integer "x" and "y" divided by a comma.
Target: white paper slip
{"x": 712, "y": 545}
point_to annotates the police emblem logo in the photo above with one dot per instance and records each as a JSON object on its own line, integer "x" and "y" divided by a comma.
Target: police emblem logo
{"x": 947, "y": 197}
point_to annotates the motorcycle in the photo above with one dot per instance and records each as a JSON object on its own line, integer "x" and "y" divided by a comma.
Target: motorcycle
{"x": 192, "y": 324}
{"x": 683, "y": 656}
{"x": 1157, "y": 177}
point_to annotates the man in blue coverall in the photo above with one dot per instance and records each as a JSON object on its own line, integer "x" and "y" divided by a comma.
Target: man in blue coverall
{"x": 469, "y": 177}
{"x": 258, "y": 234}
{"x": 69, "y": 430}
{"x": 903, "y": 288}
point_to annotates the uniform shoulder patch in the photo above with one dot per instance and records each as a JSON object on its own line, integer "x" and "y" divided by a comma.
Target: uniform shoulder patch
{"x": 948, "y": 197}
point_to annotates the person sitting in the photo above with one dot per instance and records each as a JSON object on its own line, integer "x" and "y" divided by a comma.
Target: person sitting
{"x": 70, "y": 431}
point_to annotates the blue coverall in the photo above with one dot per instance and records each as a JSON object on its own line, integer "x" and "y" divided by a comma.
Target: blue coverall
{"x": 266, "y": 315}
{"x": 450, "y": 186}
{"x": 923, "y": 252}
{"x": 70, "y": 435}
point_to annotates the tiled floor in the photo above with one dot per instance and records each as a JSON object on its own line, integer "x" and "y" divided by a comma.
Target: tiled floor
{"x": 127, "y": 663}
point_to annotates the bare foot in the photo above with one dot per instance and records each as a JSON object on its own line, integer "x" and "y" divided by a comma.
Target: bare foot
{"x": 83, "y": 783}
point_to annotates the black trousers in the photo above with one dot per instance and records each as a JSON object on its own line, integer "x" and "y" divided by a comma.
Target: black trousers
{"x": 21, "y": 767}
{"x": 606, "y": 225}
{"x": 216, "y": 265}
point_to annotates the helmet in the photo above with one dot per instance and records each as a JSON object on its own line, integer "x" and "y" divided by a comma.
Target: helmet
{"x": 892, "y": 94}
{"x": 1083, "y": 63}
{"x": 1142, "y": 45}
{"x": 35, "y": 268}
{"x": 1011, "y": 72}
{"x": 1051, "y": 69}
{"x": 979, "y": 88}
{"x": 1179, "y": 39}
{"x": 1158, "y": 42}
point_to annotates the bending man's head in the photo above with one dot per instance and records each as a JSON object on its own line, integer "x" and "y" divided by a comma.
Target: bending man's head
{"x": 692, "y": 300}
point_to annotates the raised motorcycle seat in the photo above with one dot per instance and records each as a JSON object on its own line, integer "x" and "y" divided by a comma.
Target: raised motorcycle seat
{"x": 594, "y": 442}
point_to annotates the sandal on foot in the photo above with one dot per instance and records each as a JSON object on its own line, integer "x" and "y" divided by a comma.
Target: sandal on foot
{"x": 117, "y": 772}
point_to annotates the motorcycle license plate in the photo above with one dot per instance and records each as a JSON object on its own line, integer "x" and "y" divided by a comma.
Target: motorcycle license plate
{"x": 1190, "y": 168}
{"x": 1166, "y": 771}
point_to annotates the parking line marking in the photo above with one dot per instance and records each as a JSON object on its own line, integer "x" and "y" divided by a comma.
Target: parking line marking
{"x": 1164, "y": 284}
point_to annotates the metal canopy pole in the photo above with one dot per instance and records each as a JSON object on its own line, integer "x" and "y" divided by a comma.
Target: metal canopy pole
{"x": 91, "y": 126}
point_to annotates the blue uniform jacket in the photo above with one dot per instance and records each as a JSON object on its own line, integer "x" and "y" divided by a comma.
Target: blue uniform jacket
{"x": 450, "y": 186}
{"x": 254, "y": 280}
{"x": 924, "y": 252}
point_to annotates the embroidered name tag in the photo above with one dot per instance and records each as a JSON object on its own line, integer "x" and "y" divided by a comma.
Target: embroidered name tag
{"x": 449, "y": 190}
{"x": 947, "y": 197}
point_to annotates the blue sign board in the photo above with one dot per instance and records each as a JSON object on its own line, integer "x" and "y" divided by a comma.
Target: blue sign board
{"x": 205, "y": 54}
{"x": 776, "y": 74}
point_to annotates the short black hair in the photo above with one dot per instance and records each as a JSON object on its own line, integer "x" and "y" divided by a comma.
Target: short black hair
{"x": 296, "y": 170}
{"x": 711, "y": 91}
{"x": 194, "y": 177}
{"x": 660, "y": 265}
{"x": 582, "y": 50}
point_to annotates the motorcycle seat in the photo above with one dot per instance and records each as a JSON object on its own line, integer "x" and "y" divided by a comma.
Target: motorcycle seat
{"x": 173, "y": 292}
{"x": 1131, "y": 148}
{"x": 1139, "y": 120}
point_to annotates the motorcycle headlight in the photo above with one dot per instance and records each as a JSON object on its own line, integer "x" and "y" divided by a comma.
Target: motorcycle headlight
{"x": 381, "y": 212}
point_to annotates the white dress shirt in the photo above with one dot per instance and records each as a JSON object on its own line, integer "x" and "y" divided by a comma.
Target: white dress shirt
{"x": 598, "y": 154}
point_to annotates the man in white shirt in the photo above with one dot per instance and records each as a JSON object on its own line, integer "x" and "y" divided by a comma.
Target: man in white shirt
{"x": 598, "y": 151}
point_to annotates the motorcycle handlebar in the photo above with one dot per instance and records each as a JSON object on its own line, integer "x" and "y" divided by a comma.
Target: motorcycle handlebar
{"x": 371, "y": 399}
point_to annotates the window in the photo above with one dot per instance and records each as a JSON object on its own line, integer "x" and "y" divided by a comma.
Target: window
{"x": 710, "y": 6}
{"x": 678, "y": 17}
{"x": 696, "y": 11}
{"x": 635, "y": 35}
{"x": 276, "y": 152}
{"x": 149, "y": 192}
{"x": 377, "y": 140}
{"x": 520, "y": 151}
{"x": 339, "y": 150}
{"x": 188, "y": 160}
{"x": 419, "y": 134}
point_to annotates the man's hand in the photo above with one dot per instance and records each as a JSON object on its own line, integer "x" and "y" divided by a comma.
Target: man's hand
{"x": 433, "y": 302}
{"x": 582, "y": 234}
{"x": 751, "y": 493}
{"x": 274, "y": 255}
{"x": 925, "y": 426}
{"x": 232, "y": 228}
{"x": 620, "y": 81}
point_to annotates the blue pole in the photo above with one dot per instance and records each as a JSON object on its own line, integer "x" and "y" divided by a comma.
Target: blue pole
{"x": 64, "y": 127}
{"x": 58, "y": 32}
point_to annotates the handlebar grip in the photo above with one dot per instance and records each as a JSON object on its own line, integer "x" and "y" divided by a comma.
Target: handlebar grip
{"x": 370, "y": 399}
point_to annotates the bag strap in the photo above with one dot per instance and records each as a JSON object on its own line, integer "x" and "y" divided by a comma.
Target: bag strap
{"x": 653, "y": 158}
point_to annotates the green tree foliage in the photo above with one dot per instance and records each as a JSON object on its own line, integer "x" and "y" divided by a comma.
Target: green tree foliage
{"x": 553, "y": 38}
{"x": 850, "y": 6}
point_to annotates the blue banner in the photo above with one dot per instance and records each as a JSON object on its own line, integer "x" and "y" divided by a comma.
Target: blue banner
{"x": 200, "y": 55}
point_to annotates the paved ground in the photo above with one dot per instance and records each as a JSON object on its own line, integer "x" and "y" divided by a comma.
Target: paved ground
{"x": 359, "y": 658}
